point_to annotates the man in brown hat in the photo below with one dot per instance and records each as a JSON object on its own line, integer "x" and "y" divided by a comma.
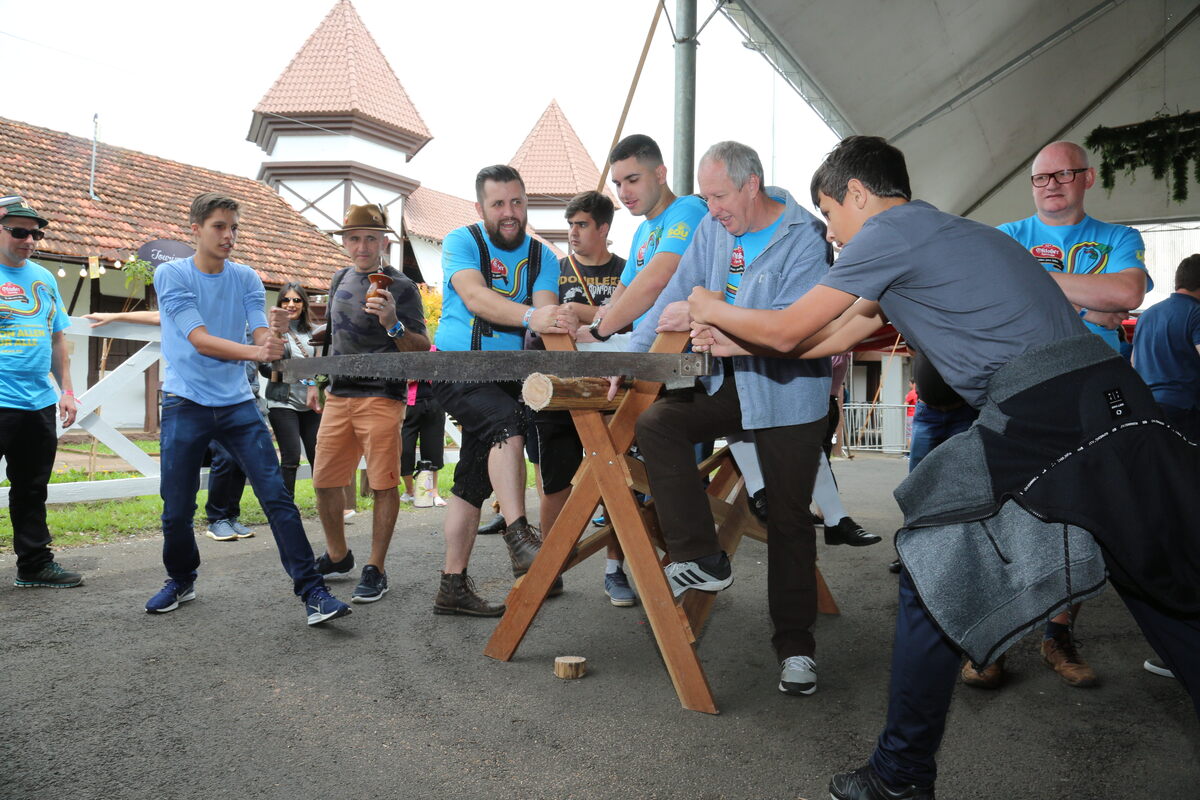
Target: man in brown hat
{"x": 362, "y": 416}
{"x": 32, "y": 346}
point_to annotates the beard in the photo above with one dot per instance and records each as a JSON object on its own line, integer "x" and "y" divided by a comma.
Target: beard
{"x": 498, "y": 238}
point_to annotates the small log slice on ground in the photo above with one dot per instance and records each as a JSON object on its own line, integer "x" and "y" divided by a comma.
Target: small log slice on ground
{"x": 552, "y": 393}
{"x": 568, "y": 667}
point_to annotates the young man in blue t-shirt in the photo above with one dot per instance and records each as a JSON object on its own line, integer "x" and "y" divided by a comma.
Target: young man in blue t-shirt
{"x": 640, "y": 177}
{"x": 1166, "y": 350}
{"x": 206, "y": 303}
{"x": 32, "y": 347}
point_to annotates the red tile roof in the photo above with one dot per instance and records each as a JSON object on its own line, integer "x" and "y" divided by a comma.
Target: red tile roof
{"x": 143, "y": 197}
{"x": 429, "y": 214}
{"x": 341, "y": 70}
{"x": 552, "y": 160}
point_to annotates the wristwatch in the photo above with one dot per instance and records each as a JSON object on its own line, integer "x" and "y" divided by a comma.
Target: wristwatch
{"x": 397, "y": 330}
{"x": 594, "y": 330}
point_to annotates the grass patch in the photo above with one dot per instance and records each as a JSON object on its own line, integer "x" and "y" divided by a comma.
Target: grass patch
{"x": 103, "y": 521}
{"x": 150, "y": 446}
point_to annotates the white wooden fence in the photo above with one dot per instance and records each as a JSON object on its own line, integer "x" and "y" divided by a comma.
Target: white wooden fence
{"x": 108, "y": 389}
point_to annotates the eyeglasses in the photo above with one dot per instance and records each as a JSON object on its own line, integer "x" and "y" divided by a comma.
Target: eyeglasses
{"x": 1060, "y": 177}
{"x": 289, "y": 300}
{"x": 25, "y": 233}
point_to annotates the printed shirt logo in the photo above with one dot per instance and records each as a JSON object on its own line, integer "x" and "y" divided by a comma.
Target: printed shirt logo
{"x": 737, "y": 261}
{"x": 499, "y": 270}
{"x": 648, "y": 248}
{"x": 1087, "y": 258}
{"x": 1047, "y": 251}
{"x": 681, "y": 230}
{"x": 13, "y": 293}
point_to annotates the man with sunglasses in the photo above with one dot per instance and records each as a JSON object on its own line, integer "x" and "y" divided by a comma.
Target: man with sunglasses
{"x": 32, "y": 347}
{"x": 1101, "y": 269}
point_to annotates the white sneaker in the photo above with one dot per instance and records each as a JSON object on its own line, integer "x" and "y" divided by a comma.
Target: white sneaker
{"x": 798, "y": 675}
{"x": 684, "y": 575}
{"x": 407, "y": 498}
{"x": 1157, "y": 666}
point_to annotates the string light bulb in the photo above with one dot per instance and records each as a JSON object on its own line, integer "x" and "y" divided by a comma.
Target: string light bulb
{"x": 83, "y": 272}
{"x": 62, "y": 273}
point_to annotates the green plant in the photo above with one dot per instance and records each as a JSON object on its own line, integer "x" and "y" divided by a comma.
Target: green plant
{"x": 138, "y": 272}
{"x": 1162, "y": 142}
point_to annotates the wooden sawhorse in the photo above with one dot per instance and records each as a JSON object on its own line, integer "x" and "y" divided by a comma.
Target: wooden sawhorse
{"x": 608, "y": 475}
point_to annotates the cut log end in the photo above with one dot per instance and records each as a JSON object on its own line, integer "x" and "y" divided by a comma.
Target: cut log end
{"x": 552, "y": 393}
{"x": 569, "y": 667}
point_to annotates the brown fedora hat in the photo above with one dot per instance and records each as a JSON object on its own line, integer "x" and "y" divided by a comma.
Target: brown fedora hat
{"x": 367, "y": 217}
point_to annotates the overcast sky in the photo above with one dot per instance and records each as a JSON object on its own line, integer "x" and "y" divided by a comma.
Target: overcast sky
{"x": 180, "y": 80}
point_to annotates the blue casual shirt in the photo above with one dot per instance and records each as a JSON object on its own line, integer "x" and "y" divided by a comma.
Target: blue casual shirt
{"x": 669, "y": 232}
{"x": 772, "y": 391}
{"x": 1164, "y": 350}
{"x": 749, "y": 245}
{"x": 510, "y": 279}
{"x": 1090, "y": 247}
{"x": 31, "y": 311}
{"x": 224, "y": 304}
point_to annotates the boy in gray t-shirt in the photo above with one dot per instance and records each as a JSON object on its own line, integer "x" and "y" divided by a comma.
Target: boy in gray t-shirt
{"x": 1058, "y": 412}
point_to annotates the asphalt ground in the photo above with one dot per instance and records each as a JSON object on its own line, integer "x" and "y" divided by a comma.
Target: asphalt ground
{"x": 234, "y": 696}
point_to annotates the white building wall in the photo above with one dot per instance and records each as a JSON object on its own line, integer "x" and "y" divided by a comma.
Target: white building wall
{"x": 429, "y": 258}
{"x": 338, "y": 148}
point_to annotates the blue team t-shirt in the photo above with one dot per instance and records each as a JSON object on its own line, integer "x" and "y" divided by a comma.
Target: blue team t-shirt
{"x": 510, "y": 279}
{"x": 749, "y": 247}
{"x": 1164, "y": 351}
{"x": 31, "y": 310}
{"x": 225, "y": 304}
{"x": 1090, "y": 247}
{"x": 669, "y": 232}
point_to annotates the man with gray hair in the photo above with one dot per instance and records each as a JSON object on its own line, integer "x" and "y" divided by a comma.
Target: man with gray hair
{"x": 762, "y": 250}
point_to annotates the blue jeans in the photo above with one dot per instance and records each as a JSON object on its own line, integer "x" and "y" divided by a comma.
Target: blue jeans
{"x": 931, "y": 427}
{"x": 187, "y": 429}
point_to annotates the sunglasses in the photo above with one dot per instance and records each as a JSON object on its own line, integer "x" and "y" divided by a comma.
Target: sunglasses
{"x": 25, "y": 233}
{"x": 289, "y": 300}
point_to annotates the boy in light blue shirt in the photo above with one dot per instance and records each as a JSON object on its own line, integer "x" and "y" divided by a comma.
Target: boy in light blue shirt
{"x": 207, "y": 302}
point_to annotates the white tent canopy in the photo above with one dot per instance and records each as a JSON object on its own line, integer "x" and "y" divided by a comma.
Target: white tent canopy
{"x": 970, "y": 90}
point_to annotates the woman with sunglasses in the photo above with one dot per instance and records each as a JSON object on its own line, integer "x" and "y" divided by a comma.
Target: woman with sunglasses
{"x": 292, "y": 408}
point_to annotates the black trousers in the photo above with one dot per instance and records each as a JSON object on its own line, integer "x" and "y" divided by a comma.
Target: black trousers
{"x": 789, "y": 455}
{"x": 294, "y": 429}
{"x": 424, "y": 423}
{"x": 28, "y": 439}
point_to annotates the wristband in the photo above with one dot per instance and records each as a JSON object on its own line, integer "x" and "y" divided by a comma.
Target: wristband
{"x": 68, "y": 393}
{"x": 528, "y": 314}
{"x": 397, "y": 330}
{"x": 307, "y": 382}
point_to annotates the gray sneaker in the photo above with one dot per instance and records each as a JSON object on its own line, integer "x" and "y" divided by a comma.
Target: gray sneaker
{"x": 242, "y": 531}
{"x": 222, "y": 531}
{"x": 619, "y": 592}
{"x": 798, "y": 675}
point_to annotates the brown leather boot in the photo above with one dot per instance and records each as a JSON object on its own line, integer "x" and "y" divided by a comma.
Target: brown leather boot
{"x": 457, "y": 595}
{"x": 1062, "y": 656}
{"x": 524, "y": 542}
{"x": 990, "y": 677}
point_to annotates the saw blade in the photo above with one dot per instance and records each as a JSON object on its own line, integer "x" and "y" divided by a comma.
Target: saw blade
{"x": 503, "y": 365}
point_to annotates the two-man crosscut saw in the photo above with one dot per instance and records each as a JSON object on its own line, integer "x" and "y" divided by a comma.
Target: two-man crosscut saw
{"x": 675, "y": 370}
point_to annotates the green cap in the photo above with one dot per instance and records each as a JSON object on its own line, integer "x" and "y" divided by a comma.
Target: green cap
{"x": 14, "y": 205}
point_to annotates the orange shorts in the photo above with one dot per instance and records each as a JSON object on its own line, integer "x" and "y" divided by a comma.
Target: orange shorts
{"x": 352, "y": 427}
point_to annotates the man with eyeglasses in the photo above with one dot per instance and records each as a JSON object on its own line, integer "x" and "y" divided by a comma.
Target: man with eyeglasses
{"x": 32, "y": 348}
{"x": 1101, "y": 269}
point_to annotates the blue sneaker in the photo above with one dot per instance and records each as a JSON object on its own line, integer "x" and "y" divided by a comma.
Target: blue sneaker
{"x": 619, "y": 592}
{"x": 372, "y": 587}
{"x": 221, "y": 530}
{"x": 241, "y": 530}
{"x": 322, "y": 606}
{"x": 170, "y": 596}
